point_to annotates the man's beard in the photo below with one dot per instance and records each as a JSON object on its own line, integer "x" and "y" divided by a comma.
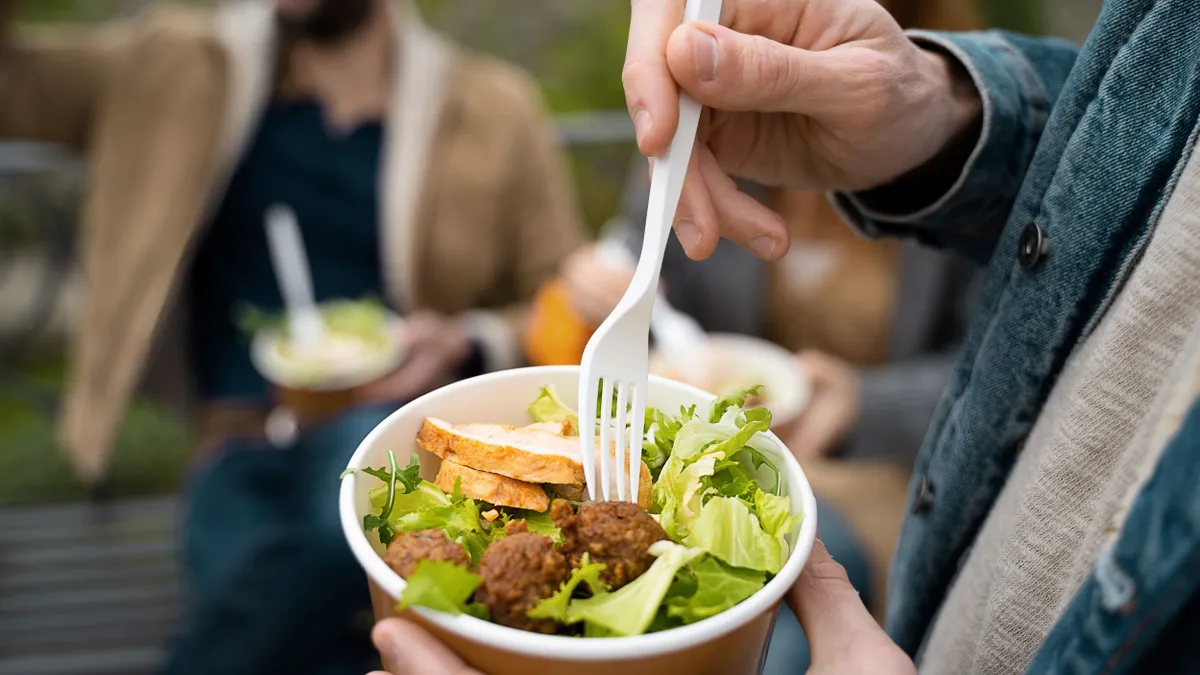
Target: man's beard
{"x": 332, "y": 21}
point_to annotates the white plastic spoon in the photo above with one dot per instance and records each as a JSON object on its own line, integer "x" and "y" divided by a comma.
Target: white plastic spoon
{"x": 295, "y": 280}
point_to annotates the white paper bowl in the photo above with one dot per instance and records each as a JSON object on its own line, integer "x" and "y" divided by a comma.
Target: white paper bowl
{"x": 731, "y": 643}
{"x": 272, "y": 365}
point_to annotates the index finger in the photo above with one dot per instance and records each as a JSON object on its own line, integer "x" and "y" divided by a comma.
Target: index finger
{"x": 650, "y": 92}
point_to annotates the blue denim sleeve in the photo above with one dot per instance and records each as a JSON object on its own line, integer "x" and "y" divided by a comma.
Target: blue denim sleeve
{"x": 1019, "y": 79}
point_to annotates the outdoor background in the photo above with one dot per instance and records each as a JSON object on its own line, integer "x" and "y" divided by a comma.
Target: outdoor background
{"x": 574, "y": 47}
{"x": 93, "y": 586}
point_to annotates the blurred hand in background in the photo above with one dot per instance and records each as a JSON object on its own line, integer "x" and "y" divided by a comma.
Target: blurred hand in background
{"x": 437, "y": 347}
{"x": 594, "y": 287}
{"x": 832, "y": 411}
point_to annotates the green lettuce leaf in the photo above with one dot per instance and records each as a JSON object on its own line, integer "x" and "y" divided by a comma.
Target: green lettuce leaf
{"x": 734, "y": 399}
{"x": 630, "y": 610}
{"x": 555, "y": 606}
{"x": 424, "y": 495}
{"x": 716, "y": 588}
{"x": 775, "y": 514}
{"x": 538, "y": 523}
{"x": 427, "y": 507}
{"x": 440, "y": 585}
{"x": 393, "y": 479}
{"x": 548, "y": 407}
{"x": 688, "y": 478}
{"x": 729, "y": 531}
{"x": 661, "y": 431}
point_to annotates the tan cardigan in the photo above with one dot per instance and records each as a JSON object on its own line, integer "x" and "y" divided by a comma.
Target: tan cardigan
{"x": 477, "y": 208}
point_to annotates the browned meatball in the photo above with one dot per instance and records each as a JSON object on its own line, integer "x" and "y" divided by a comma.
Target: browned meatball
{"x": 518, "y": 572}
{"x": 410, "y": 548}
{"x": 617, "y": 534}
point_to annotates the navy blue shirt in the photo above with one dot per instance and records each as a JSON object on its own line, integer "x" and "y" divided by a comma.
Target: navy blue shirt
{"x": 331, "y": 182}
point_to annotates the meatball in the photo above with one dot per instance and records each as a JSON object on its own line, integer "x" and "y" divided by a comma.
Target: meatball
{"x": 518, "y": 572}
{"x": 618, "y": 534}
{"x": 410, "y": 548}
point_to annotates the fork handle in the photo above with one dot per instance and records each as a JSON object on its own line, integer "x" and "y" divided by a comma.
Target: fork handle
{"x": 670, "y": 169}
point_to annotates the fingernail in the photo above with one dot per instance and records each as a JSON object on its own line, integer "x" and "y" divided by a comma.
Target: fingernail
{"x": 762, "y": 246}
{"x": 642, "y": 124}
{"x": 688, "y": 234}
{"x": 705, "y": 52}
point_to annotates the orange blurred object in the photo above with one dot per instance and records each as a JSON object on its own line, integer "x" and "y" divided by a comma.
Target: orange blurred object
{"x": 556, "y": 335}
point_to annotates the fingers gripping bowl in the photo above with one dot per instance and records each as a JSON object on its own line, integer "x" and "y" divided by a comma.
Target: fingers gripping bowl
{"x": 715, "y": 633}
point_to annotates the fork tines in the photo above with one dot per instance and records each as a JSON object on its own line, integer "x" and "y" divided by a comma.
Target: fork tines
{"x": 619, "y": 438}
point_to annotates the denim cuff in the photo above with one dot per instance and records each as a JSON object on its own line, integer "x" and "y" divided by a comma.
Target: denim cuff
{"x": 970, "y": 215}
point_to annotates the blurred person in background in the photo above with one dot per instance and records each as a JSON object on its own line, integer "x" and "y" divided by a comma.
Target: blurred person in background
{"x": 419, "y": 173}
{"x": 876, "y": 328}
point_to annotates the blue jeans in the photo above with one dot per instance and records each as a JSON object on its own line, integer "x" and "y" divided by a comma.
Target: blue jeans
{"x": 274, "y": 586}
{"x": 788, "y": 653}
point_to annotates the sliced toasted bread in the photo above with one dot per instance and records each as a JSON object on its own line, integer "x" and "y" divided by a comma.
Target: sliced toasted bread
{"x": 579, "y": 493}
{"x": 533, "y": 455}
{"x": 491, "y": 488}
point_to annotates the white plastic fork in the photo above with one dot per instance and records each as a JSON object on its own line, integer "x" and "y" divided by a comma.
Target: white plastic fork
{"x": 617, "y": 357}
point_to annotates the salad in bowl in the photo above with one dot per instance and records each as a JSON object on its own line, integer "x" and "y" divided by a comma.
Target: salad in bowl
{"x": 503, "y": 531}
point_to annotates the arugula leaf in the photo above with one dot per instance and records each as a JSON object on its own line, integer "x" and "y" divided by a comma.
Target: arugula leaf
{"x": 555, "y": 606}
{"x": 409, "y": 478}
{"x": 387, "y": 534}
{"x": 717, "y": 587}
{"x": 440, "y": 585}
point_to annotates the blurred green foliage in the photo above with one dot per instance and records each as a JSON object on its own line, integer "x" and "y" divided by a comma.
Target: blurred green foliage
{"x": 151, "y": 451}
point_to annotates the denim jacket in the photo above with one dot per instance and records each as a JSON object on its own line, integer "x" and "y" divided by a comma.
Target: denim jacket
{"x": 1079, "y": 149}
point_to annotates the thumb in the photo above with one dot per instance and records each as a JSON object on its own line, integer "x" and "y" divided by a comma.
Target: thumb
{"x": 412, "y": 651}
{"x": 829, "y": 609}
{"x": 727, "y": 70}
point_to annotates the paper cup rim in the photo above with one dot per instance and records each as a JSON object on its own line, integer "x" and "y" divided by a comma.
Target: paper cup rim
{"x": 384, "y": 361}
{"x": 574, "y": 648}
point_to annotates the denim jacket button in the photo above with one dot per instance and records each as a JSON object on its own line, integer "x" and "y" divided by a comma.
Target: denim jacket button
{"x": 1033, "y": 246}
{"x": 924, "y": 497}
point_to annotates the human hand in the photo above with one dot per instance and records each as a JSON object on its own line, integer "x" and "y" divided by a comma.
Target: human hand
{"x": 594, "y": 287}
{"x": 412, "y": 651}
{"x": 809, "y": 94}
{"x": 843, "y": 637}
{"x": 437, "y": 345}
{"x": 833, "y": 408}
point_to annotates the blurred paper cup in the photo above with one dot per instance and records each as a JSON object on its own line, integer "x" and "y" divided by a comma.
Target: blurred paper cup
{"x": 741, "y": 361}
{"x": 733, "y": 642}
{"x": 316, "y": 387}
